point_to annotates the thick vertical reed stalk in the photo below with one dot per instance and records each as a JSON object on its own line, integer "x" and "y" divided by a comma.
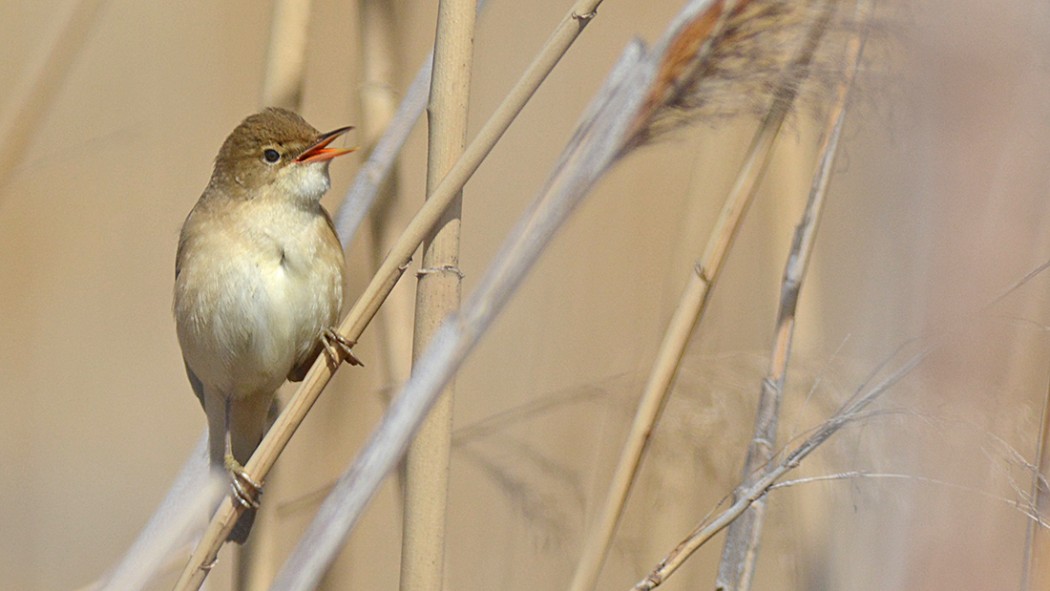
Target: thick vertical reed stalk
{"x": 438, "y": 295}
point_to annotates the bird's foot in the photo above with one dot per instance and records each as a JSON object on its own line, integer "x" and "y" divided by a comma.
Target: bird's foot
{"x": 245, "y": 489}
{"x": 338, "y": 348}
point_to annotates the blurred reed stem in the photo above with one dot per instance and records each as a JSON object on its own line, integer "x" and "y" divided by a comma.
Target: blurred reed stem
{"x": 286, "y": 54}
{"x": 379, "y": 42}
{"x": 44, "y": 80}
{"x": 1035, "y": 572}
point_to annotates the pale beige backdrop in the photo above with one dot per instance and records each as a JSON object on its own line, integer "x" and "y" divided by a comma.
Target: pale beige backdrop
{"x": 940, "y": 201}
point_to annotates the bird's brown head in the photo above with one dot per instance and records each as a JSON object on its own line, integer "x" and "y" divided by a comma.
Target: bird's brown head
{"x": 277, "y": 149}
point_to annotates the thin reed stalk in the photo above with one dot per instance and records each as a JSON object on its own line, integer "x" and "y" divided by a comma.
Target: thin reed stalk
{"x": 740, "y": 552}
{"x": 286, "y": 54}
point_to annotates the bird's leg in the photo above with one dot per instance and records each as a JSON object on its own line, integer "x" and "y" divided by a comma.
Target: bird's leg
{"x": 245, "y": 489}
{"x": 338, "y": 348}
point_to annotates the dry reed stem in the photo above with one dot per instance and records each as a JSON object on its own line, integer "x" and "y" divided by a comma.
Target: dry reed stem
{"x": 365, "y": 308}
{"x": 740, "y": 552}
{"x": 44, "y": 81}
{"x": 378, "y": 43}
{"x": 687, "y": 314}
{"x": 195, "y": 492}
{"x": 694, "y": 299}
{"x": 437, "y": 295}
{"x": 1034, "y": 517}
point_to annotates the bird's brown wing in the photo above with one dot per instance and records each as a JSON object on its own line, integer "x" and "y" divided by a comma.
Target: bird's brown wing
{"x": 196, "y": 384}
{"x": 300, "y": 369}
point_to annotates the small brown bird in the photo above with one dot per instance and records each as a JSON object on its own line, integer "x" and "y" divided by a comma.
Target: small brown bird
{"x": 258, "y": 283}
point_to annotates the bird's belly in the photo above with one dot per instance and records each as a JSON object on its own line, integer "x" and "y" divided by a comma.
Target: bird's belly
{"x": 258, "y": 321}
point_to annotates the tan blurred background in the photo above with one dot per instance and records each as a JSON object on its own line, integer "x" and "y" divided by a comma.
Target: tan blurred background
{"x": 940, "y": 201}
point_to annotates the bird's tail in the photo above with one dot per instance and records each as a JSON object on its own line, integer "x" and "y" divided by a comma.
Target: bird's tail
{"x": 243, "y": 527}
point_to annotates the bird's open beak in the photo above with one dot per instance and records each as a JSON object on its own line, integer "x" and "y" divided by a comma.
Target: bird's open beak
{"x": 317, "y": 152}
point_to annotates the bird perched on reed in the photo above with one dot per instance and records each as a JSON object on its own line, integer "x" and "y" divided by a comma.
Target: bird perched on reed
{"x": 258, "y": 283}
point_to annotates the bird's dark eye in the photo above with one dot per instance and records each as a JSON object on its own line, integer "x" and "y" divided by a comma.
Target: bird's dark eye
{"x": 271, "y": 155}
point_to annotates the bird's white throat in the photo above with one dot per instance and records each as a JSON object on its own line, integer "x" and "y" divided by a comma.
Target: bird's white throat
{"x": 307, "y": 180}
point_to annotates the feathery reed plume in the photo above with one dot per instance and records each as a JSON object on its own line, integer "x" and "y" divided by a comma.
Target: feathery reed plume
{"x": 729, "y": 59}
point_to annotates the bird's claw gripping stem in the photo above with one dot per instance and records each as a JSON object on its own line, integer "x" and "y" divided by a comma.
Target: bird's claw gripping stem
{"x": 245, "y": 489}
{"x": 338, "y": 348}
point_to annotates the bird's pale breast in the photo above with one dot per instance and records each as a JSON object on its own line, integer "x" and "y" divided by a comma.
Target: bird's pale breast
{"x": 254, "y": 295}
